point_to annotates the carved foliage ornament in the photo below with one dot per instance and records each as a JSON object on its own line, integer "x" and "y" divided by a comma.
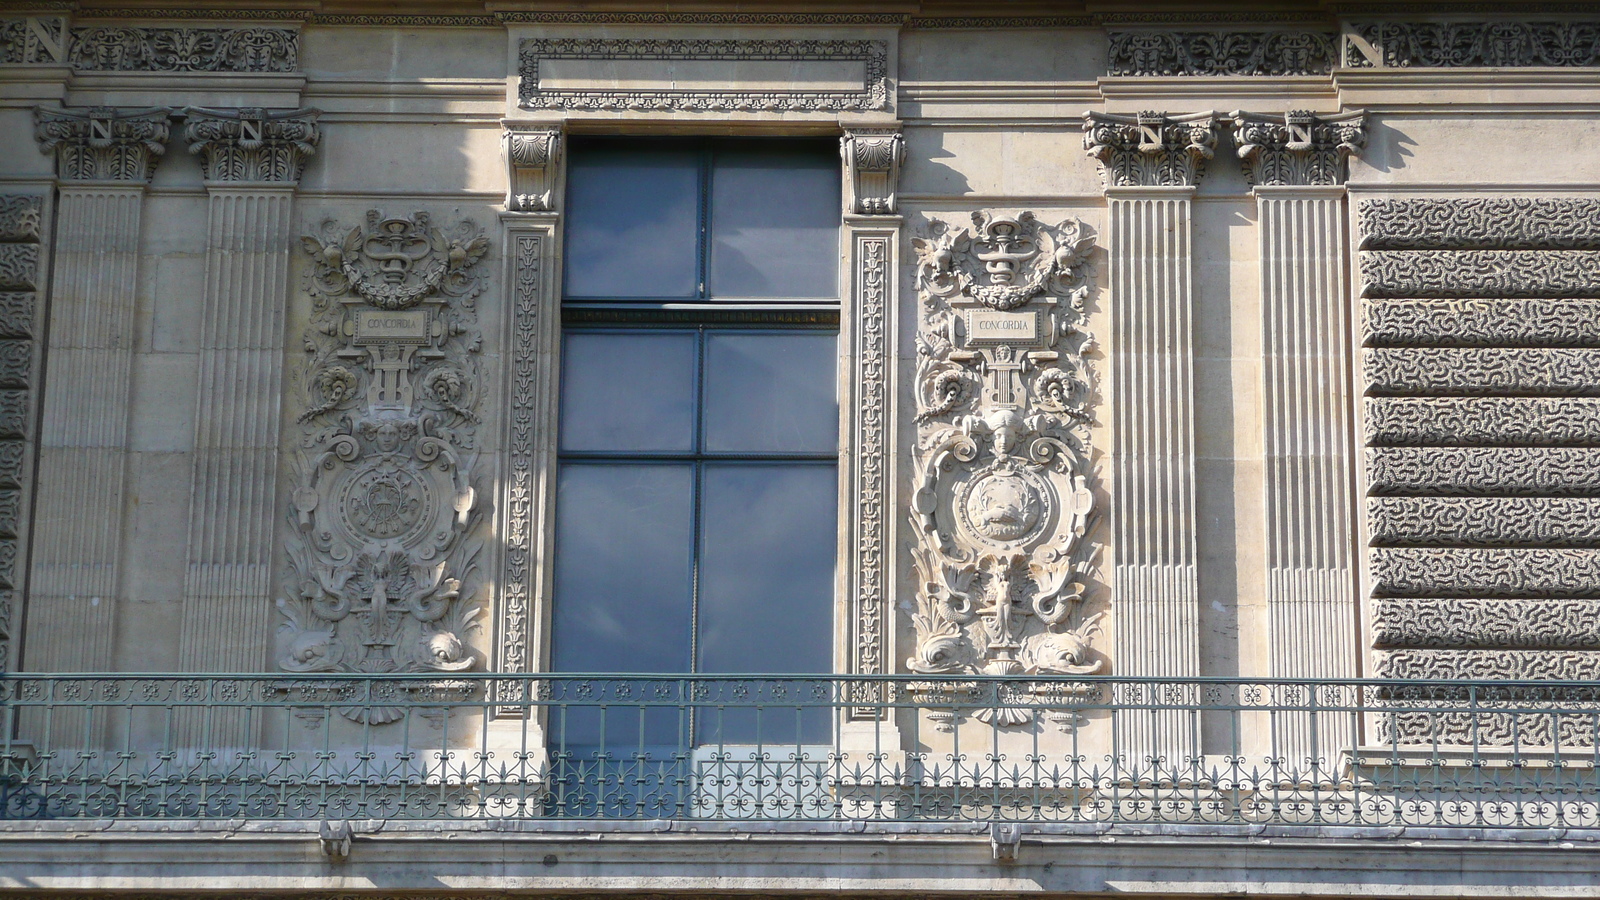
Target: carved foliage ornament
{"x": 252, "y": 144}
{"x": 161, "y": 49}
{"x": 1222, "y": 53}
{"x": 1002, "y": 501}
{"x": 532, "y": 160}
{"x": 384, "y": 513}
{"x": 1297, "y": 148}
{"x": 32, "y": 40}
{"x": 1151, "y": 148}
{"x": 102, "y": 143}
{"x": 1499, "y": 44}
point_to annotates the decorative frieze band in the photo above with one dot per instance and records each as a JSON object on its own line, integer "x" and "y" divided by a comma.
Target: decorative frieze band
{"x": 1467, "y": 421}
{"x": 1486, "y": 471}
{"x": 1481, "y": 273}
{"x": 1519, "y": 322}
{"x": 1479, "y": 223}
{"x": 1461, "y": 623}
{"x": 1484, "y": 521}
{"x": 872, "y": 158}
{"x": 103, "y": 144}
{"x": 533, "y": 161}
{"x": 672, "y": 75}
{"x": 33, "y": 40}
{"x": 1485, "y": 572}
{"x": 252, "y": 145}
{"x": 1474, "y": 371}
{"x": 1451, "y": 45}
{"x": 1201, "y": 53}
{"x": 120, "y": 48}
{"x": 1151, "y": 148}
{"x": 1298, "y": 147}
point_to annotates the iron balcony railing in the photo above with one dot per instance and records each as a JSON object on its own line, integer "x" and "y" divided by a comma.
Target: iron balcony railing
{"x": 1082, "y": 751}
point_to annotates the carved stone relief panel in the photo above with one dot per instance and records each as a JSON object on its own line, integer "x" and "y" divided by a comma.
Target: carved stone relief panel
{"x": 1498, "y": 44}
{"x": 119, "y": 48}
{"x": 1482, "y": 425}
{"x": 33, "y": 40}
{"x": 382, "y": 550}
{"x": 1198, "y": 53}
{"x": 1002, "y": 474}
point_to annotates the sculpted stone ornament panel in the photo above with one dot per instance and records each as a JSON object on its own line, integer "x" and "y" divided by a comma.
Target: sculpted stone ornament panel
{"x": 383, "y": 549}
{"x": 872, "y": 158}
{"x": 1297, "y": 148}
{"x": 1498, "y": 44}
{"x": 164, "y": 49}
{"x": 33, "y": 40}
{"x": 532, "y": 157}
{"x": 252, "y": 144}
{"x": 1200, "y": 53}
{"x": 1151, "y": 148}
{"x": 102, "y": 143}
{"x": 1002, "y": 472}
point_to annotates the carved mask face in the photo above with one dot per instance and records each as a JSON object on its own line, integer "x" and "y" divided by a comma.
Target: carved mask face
{"x": 387, "y": 437}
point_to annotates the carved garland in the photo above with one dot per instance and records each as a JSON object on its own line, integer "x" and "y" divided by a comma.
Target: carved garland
{"x": 382, "y": 549}
{"x": 1002, "y": 473}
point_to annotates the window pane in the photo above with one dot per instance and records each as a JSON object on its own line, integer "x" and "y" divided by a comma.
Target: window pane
{"x": 623, "y": 564}
{"x": 628, "y": 392}
{"x": 633, "y": 223}
{"x": 768, "y": 392}
{"x": 766, "y": 573}
{"x": 774, "y": 224}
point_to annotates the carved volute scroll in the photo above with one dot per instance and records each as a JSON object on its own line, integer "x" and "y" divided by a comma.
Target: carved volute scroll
{"x": 1298, "y": 147}
{"x": 1002, "y": 501}
{"x": 872, "y": 158}
{"x": 532, "y": 160}
{"x": 1151, "y": 149}
{"x": 102, "y": 143}
{"x": 252, "y": 144}
{"x": 382, "y": 550}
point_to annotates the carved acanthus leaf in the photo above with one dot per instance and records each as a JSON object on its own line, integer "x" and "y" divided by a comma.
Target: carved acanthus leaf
{"x": 1298, "y": 148}
{"x": 102, "y": 143}
{"x": 1151, "y": 148}
{"x": 259, "y": 145}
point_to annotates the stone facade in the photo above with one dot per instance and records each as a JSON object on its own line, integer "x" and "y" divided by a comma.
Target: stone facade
{"x": 1172, "y": 346}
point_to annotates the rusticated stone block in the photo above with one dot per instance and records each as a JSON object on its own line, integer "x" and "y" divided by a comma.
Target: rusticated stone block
{"x": 16, "y": 363}
{"x": 1485, "y": 572}
{"x": 16, "y": 314}
{"x": 1480, "y": 223}
{"x": 1483, "y": 421}
{"x": 1474, "y": 622}
{"x": 1484, "y": 521}
{"x": 1480, "y": 273}
{"x": 1501, "y": 322}
{"x": 19, "y": 266}
{"x": 1467, "y": 471}
{"x": 20, "y": 215}
{"x": 1485, "y": 370}
{"x": 14, "y": 408}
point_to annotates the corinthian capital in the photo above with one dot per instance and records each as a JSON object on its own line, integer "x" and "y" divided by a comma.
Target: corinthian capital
{"x": 1298, "y": 147}
{"x": 872, "y": 158}
{"x": 1151, "y": 148}
{"x": 533, "y": 156}
{"x": 252, "y": 145}
{"x": 102, "y": 143}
